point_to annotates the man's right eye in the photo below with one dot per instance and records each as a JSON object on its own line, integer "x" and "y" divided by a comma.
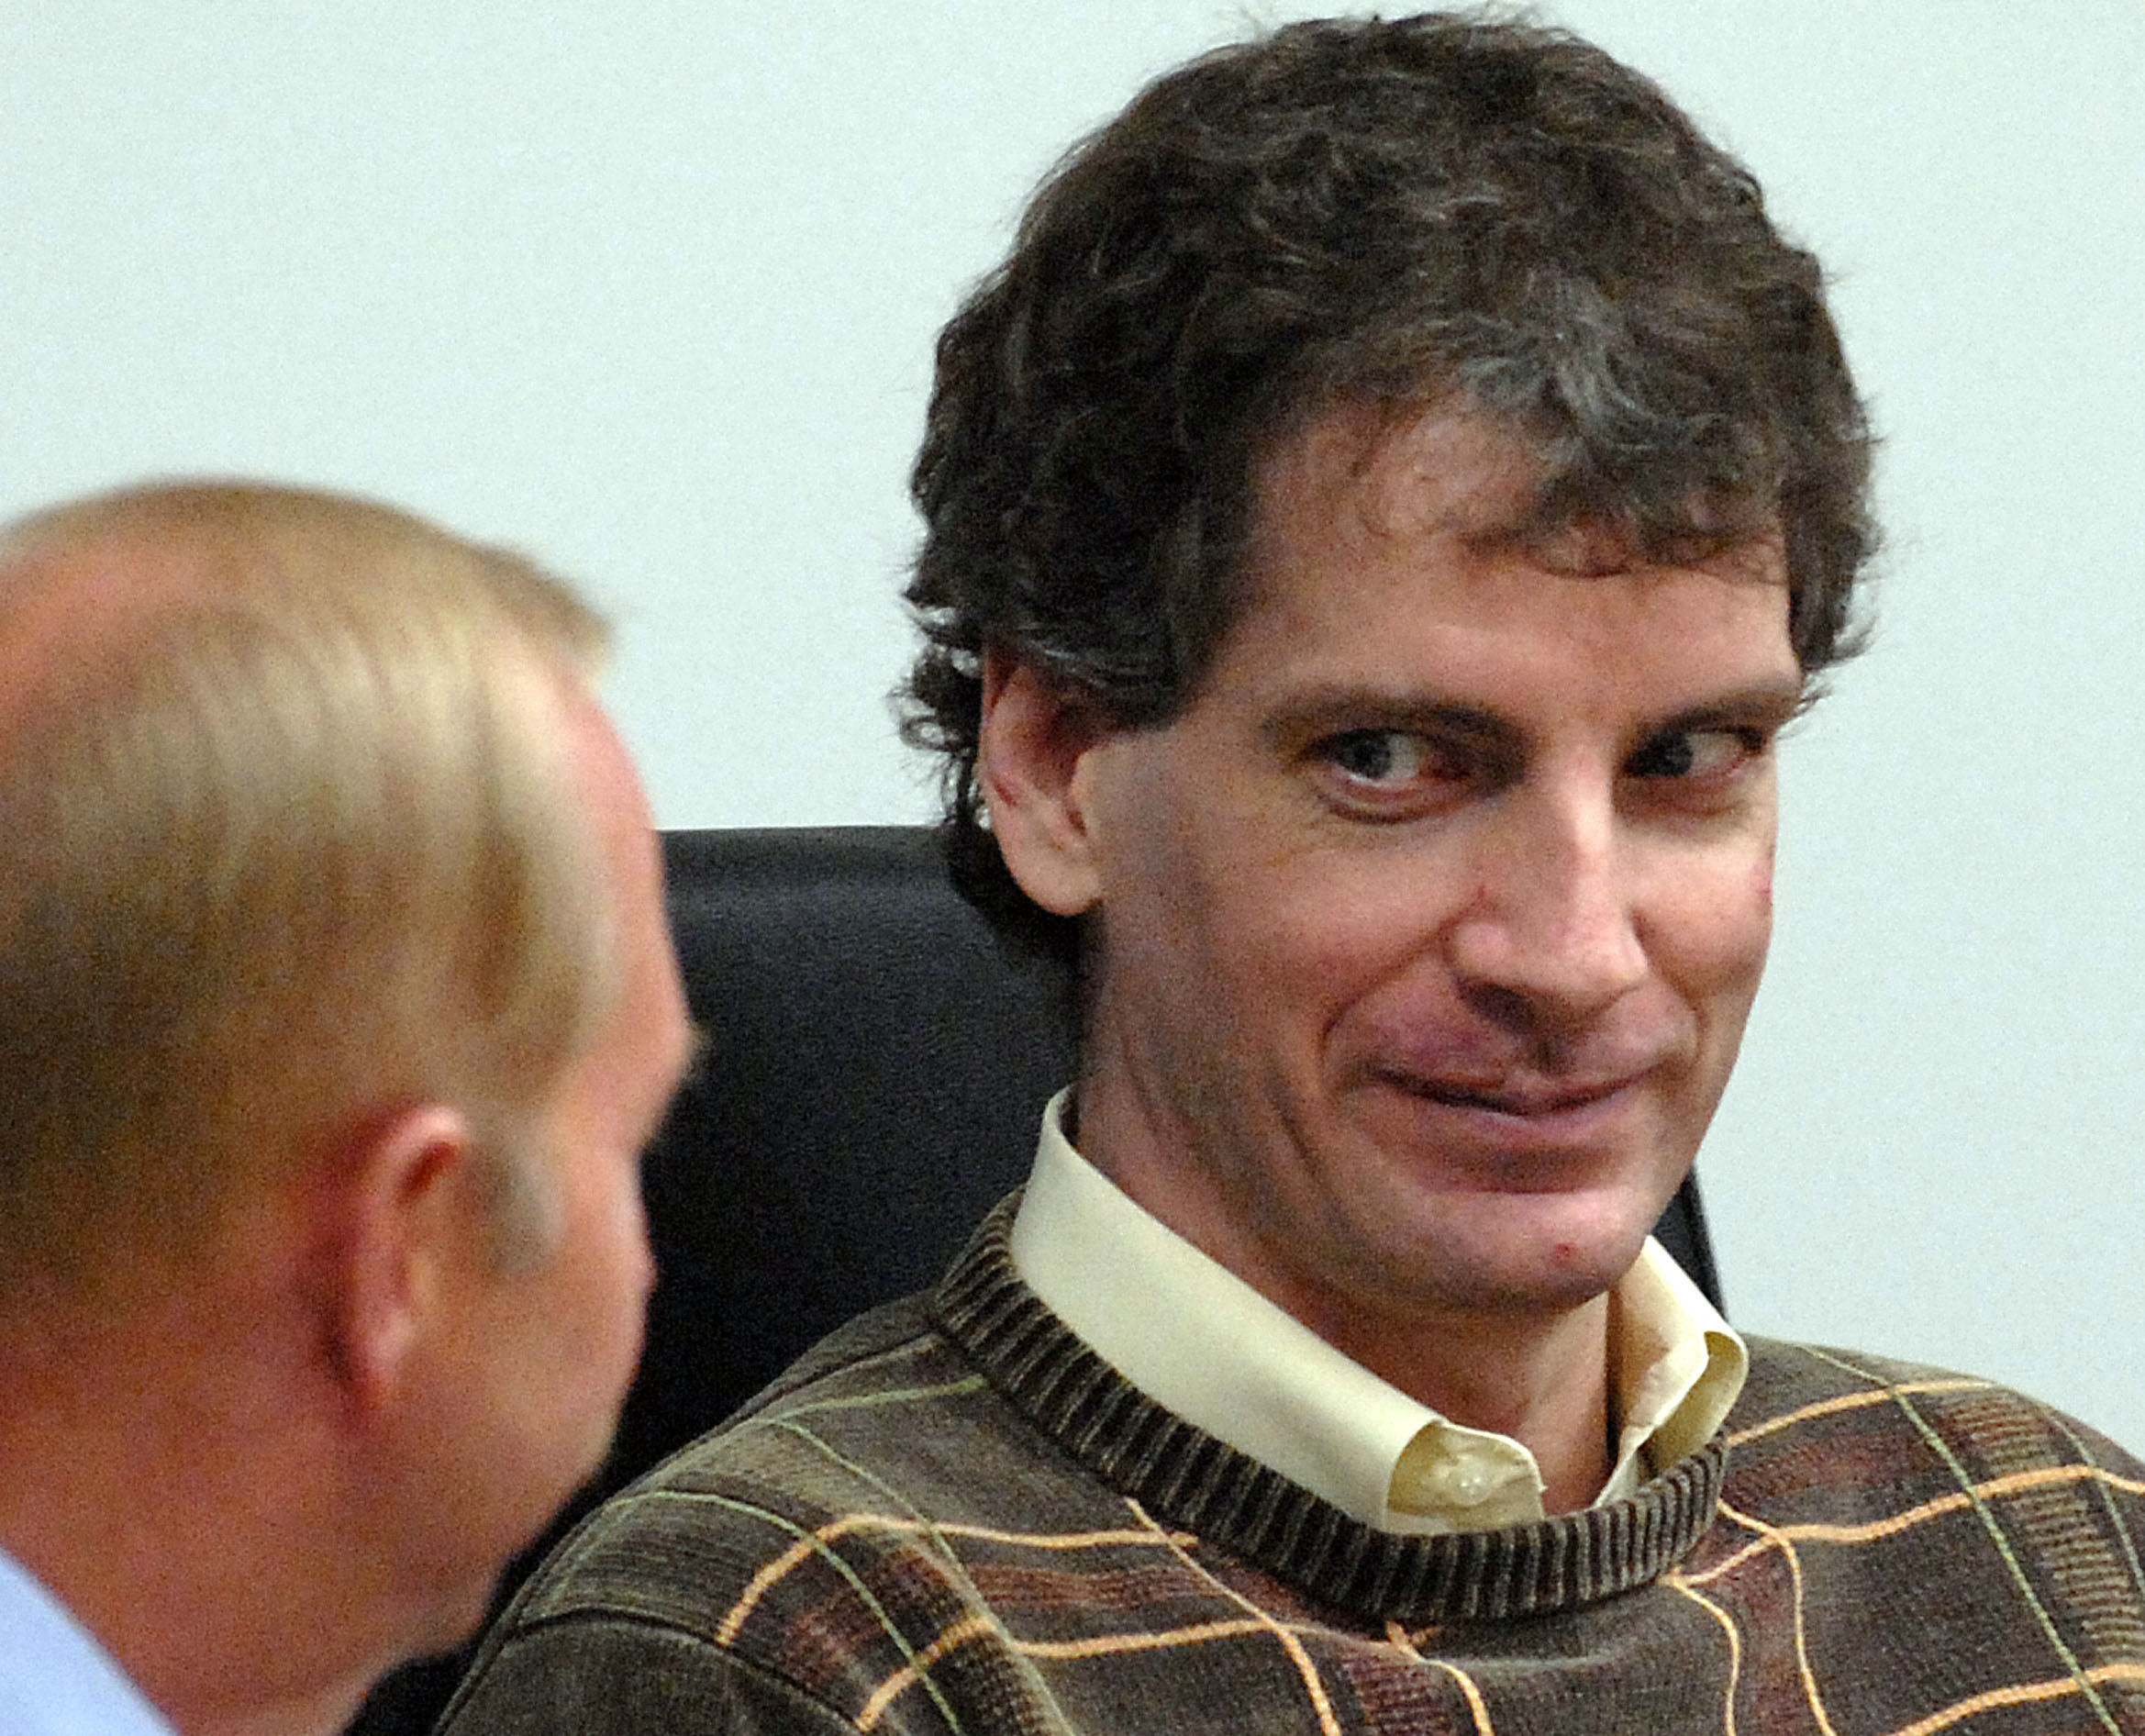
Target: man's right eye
{"x": 1396, "y": 773}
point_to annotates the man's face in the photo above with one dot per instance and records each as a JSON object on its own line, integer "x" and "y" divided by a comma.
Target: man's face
{"x": 1426, "y": 932}
{"x": 549, "y": 1344}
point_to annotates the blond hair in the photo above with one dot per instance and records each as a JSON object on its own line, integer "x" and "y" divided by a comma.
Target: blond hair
{"x": 286, "y": 837}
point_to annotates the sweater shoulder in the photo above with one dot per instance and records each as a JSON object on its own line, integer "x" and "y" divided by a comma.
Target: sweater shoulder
{"x": 858, "y": 1344}
{"x": 1789, "y": 1379}
{"x": 1789, "y": 1382}
{"x": 877, "y": 1436}
{"x": 795, "y": 1555}
{"x": 1900, "y": 1425}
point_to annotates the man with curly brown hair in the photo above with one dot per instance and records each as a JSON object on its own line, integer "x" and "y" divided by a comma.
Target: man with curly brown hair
{"x": 1380, "y": 518}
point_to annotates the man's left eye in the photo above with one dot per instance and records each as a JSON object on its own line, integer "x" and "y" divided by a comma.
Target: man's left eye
{"x": 1695, "y": 753}
{"x": 1380, "y": 756}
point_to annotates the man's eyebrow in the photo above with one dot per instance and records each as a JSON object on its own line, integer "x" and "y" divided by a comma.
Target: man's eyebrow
{"x": 1772, "y": 703}
{"x": 1304, "y": 718}
{"x": 1336, "y": 709}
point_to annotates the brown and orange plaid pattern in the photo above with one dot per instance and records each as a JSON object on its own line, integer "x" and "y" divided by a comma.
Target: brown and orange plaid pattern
{"x": 953, "y": 1518}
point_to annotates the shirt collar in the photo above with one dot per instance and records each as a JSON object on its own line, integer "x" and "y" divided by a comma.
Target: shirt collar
{"x": 1203, "y": 1343}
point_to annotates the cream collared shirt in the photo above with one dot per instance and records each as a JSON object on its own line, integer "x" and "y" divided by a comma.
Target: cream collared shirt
{"x": 1200, "y": 1342}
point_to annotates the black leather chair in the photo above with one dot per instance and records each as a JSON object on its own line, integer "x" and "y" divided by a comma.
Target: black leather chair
{"x": 874, "y": 1069}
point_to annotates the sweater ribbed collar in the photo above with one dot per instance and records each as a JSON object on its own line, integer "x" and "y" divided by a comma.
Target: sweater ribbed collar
{"x": 1187, "y": 1478}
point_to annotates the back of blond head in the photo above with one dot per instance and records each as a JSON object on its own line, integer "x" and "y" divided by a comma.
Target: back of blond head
{"x": 286, "y": 839}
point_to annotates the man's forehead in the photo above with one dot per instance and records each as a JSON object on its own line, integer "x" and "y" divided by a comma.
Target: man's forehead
{"x": 1363, "y": 469}
{"x": 1362, "y": 473}
{"x": 1391, "y": 553}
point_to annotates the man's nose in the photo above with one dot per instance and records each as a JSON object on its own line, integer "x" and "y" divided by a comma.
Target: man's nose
{"x": 1551, "y": 938}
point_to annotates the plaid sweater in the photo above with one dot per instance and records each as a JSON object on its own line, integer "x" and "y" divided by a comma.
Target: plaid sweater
{"x": 952, "y": 1517}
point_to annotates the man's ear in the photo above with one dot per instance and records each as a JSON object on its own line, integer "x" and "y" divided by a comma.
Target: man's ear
{"x": 410, "y": 1218}
{"x": 1030, "y": 757}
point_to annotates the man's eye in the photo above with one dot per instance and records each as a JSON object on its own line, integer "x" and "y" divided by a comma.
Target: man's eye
{"x": 1381, "y": 756}
{"x": 1695, "y": 753}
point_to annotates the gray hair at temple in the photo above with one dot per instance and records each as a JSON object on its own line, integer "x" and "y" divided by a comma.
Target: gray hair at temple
{"x": 1441, "y": 212}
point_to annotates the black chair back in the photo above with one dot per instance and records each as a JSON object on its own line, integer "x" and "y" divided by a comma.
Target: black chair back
{"x": 874, "y": 1069}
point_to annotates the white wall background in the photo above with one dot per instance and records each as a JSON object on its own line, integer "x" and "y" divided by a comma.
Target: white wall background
{"x": 649, "y": 288}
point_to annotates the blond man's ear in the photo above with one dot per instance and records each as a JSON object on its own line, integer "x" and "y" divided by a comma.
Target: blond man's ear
{"x": 410, "y": 1232}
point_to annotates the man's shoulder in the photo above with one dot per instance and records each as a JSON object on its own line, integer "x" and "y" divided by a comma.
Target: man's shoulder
{"x": 1837, "y": 1425}
{"x": 879, "y": 1437}
{"x": 811, "y": 1447}
{"x": 776, "y": 1574}
{"x": 1791, "y": 1385}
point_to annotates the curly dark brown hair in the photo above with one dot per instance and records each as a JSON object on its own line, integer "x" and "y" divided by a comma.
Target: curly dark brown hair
{"x": 1442, "y": 209}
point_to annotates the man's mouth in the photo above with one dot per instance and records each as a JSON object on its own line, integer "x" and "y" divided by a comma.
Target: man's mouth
{"x": 1531, "y": 1099}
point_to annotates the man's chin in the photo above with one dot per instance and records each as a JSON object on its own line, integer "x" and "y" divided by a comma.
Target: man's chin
{"x": 1533, "y": 1253}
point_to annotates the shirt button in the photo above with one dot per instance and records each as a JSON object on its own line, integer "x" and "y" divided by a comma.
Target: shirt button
{"x": 1459, "y": 1482}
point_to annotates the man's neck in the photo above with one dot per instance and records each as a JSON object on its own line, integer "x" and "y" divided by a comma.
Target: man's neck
{"x": 1538, "y": 1375}
{"x": 320, "y": 1713}
{"x": 1542, "y": 1381}
{"x": 144, "y": 1520}
{"x": 133, "y": 1569}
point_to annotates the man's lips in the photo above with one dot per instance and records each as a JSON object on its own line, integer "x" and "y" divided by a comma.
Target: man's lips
{"x": 1519, "y": 1132}
{"x": 1530, "y": 1099}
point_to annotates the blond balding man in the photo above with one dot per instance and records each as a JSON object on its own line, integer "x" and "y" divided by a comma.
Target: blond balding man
{"x": 336, "y": 1004}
